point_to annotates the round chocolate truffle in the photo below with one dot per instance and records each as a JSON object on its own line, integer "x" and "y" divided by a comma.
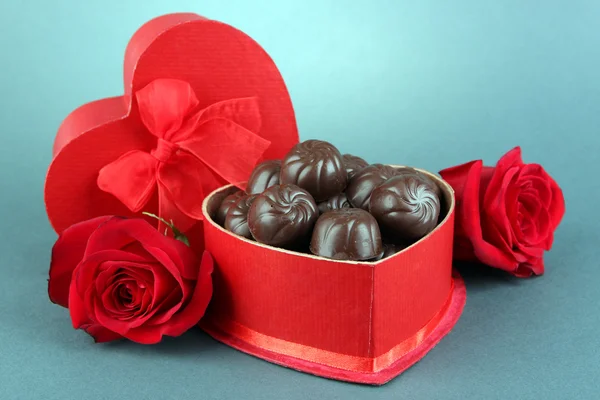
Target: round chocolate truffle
{"x": 406, "y": 207}
{"x": 347, "y": 234}
{"x": 236, "y": 220}
{"x": 317, "y": 167}
{"x": 353, "y": 164}
{"x": 282, "y": 216}
{"x": 422, "y": 176}
{"x": 226, "y": 205}
{"x": 365, "y": 181}
{"x": 334, "y": 203}
{"x": 265, "y": 175}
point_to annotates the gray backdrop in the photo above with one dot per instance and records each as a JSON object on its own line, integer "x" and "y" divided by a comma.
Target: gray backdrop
{"x": 428, "y": 83}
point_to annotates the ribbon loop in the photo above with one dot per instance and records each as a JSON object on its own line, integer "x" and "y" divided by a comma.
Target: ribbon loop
{"x": 193, "y": 153}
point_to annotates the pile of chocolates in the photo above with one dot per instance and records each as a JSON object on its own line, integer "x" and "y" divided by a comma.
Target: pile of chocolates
{"x": 333, "y": 205}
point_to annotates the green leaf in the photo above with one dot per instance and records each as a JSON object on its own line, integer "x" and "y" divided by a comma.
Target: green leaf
{"x": 183, "y": 238}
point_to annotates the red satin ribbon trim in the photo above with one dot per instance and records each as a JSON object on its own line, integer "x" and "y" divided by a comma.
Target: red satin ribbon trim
{"x": 332, "y": 359}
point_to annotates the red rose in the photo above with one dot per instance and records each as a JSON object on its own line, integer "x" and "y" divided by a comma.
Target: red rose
{"x": 505, "y": 215}
{"x": 121, "y": 278}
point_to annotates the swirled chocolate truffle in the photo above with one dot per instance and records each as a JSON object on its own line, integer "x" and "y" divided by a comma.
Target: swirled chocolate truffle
{"x": 236, "y": 220}
{"x": 282, "y": 216}
{"x": 406, "y": 207}
{"x": 226, "y": 205}
{"x": 264, "y": 175}
{"x": 365, "y": 181}
{"x": 316, "y": 167}
{"x": 347, "y": 234}
{"x": 334, "y": 203}
{"x": 425, "y": 178}
{"x": 353, "y": 164}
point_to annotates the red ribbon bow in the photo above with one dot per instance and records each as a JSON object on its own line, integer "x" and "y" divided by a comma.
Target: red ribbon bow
{"x": 193, "y": 149}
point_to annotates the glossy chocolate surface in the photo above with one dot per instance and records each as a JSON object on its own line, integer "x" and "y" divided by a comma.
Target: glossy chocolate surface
{"x": 236, "y": 220}
{"x": 282, "y": 216}
{"x": 226, "y": 204}
{"x": 389, "y": 249}
{"x": 353, "y": 164}
{"x": 422, "y": 176}
{"x": 334, "y": 203}
{"x": 265, "y": 175}
{"x": 365, "y": 181}
{"x": 406, "y": 207}
{"x": 317, "y": 167}
{"x": 347, "y": 234}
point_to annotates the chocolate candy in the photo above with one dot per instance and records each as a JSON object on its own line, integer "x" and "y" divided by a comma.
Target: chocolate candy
{"x": 353, "y": 164}
{"x": 236, "y": 220}
{"x": 265, "y": 175}
{"x": 389, "y": 249}
{"x": 347, "y": 234}
{"x": 362, "y": 184}
{"x": 405, "y": 206}
{"x": 226, "y": 205}
{"x": 425, "y": 178}
{"x": 282, "y": 216}
{"x": 334, "y": 203}
{"x": 317, "y": 167}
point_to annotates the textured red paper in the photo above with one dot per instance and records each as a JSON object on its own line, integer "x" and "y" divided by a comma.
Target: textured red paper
{"x": 356, "y": 321}
{"x": 219, "y": 62}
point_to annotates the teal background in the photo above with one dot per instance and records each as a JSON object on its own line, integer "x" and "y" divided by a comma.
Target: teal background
{"x": 424, "y": 83}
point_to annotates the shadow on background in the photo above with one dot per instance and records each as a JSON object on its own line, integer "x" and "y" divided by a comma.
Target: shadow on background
{"x": 479, "y": 277}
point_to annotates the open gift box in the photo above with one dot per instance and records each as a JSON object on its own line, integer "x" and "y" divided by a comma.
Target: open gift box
{"x": 363, "y": 322}
{"x": 356, "y": 321}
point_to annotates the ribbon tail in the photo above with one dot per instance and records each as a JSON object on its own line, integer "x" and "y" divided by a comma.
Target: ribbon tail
{"x": 131, "y": 179}
{"x": 168, "y": 210}
{"x": 183, "y": 184}
{"x": 228, "y": 149}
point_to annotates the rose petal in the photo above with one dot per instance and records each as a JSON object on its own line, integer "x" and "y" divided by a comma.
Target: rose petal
{"x": 495, "y": 209}
{"x": 187, "y": 317}
{"x": 468, "y": 216}
{"x": 164, "y": 282}
{"x": 487, "y": 173}
{"x": 88, "y": 268}
{"x": 534, "y": 266}
{"x": 168, "y": 307}
{"x": 109, "y": 321}
{"x": 101, "y": 334}
{"x": 127, "y": 231}
{"x": 532, "y": 176}
{"x": 194, "y": 310}
{"x": 556, "y": 210}
{"x": 66, "y": 254}
{"x": 495, "y": 236}
{"x": 457, "y": 176}
{"x": 167, "y": 263}
{"x": 511, "y": 159}
{"x": 113, "y": 304}
{"x": 112, "y": 235}
{"x": 77, "y": 311}
{"x": 137, "y": 249}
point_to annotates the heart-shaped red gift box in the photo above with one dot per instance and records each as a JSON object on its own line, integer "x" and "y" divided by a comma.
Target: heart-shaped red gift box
{"x": 359, "y": 322}
{"x": 364, "y": 322}
{"x": 218, "y": 61}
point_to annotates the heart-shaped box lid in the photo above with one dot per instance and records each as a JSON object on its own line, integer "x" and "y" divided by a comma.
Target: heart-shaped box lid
{"x": 219, "y": 62}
